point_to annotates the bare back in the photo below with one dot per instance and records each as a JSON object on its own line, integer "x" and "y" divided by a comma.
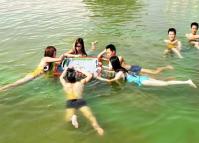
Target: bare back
{"x": 73, "y": 90}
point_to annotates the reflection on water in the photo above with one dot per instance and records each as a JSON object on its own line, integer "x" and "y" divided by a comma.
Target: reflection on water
{"x": 126, "y": 112}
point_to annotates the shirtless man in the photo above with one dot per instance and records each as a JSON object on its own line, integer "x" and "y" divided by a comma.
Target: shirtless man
{"x": 73, "y": 92}
{"x": 193, "y": 37}
{"x": 173, "y": 45}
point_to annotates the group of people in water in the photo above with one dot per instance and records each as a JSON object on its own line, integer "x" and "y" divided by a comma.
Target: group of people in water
{"x": 73, "y": 87}
{"x": 175, "y": 46}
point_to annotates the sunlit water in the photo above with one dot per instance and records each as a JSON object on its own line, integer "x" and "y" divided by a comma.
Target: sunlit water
{"x": 35, "y": 112}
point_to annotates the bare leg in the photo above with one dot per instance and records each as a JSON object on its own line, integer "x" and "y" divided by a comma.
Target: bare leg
{"x": 71, "y": 117}
{"x": 157, "y": 70}
{"x": 18, "y": 82}
{"x": 89, "y": 115}
{"x": 177, "y": 52}
{"x": 154, "y": 82}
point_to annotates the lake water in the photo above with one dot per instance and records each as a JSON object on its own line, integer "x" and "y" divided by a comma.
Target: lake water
{"x": 35, "y": 112}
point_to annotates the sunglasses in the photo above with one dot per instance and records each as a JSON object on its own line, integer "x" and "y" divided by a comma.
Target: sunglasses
{"x": 78, "y": 46}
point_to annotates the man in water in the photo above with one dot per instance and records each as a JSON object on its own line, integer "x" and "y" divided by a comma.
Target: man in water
{"x": 193, "y": 37}
{"x": 73, "y": 92}
{"x": 173, "y": 45}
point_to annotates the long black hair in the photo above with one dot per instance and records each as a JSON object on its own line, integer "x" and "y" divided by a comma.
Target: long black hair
{"x": 80, "y": 41}
{"x": 115, "y": 62}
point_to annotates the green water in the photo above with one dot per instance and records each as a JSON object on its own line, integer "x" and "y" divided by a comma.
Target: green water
{"x": 35, "y": 112}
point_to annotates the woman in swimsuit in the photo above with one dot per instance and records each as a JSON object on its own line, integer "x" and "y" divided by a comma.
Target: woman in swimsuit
{"x": 44, "y": 65}
{"x": 78, "y": 49}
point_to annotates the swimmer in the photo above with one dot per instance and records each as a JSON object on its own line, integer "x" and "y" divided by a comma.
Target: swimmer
{"x": 73, "y": 92}
{"x": 173, "y": 45}
{"x": 122, "y": 74}
{"x": 45, "y": 65}
{"x": 193, "y": 37}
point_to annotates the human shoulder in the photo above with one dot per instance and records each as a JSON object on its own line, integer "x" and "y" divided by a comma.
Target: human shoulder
{"x": 121, "y": 58}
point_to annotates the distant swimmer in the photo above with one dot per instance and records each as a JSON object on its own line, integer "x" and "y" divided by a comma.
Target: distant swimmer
{"x": 193, "y": 37}
{"x": 173, "y": 45}
{"x": 73, "y": 92}
{"x": 45, "y": 65}
{"x": 122, "y": 74}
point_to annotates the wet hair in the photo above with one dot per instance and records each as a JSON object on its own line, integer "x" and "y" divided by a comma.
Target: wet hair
{"x": 49, "y": 51}
{"x": 115, "y": 62}
{"x": 172, "y": 30}
{"x": 70, "y": 75}
{"x": 194, "y": 23}
{"x": 111, "y": 47}
{"x": 79, "y": 41}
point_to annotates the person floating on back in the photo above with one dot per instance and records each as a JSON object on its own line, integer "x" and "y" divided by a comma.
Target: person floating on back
{"x": 73, "y": 92}
{"x": 173, "y": 45}
{"x": 122, "y": 74}
{"x": 193, "y": 37}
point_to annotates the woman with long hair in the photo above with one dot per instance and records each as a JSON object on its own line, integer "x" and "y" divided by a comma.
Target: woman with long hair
{"x": 44, "y": 66}
{"x": 121, "y": 73}
{"x": 78, "y": 49}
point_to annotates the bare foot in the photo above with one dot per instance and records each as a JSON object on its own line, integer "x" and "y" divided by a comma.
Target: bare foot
{"x": 74, "y": 121}
{"x": 170, "y": 67}
{"x": 191, "y": 83}
{"x": 100, "y": 131}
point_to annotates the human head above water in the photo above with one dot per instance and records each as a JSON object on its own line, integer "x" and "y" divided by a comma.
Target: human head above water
{"x": 172, "y": 30}
{"x": 79, "y": 47}
{"x": 50, "y": 51}
{"x": 110, "y": 50}
{"x": 70, "y": 75}
{"x": 194, "y": 27}
{"x": 116, "y": 65}
{"x": 172, "y": 33}
{"x": 194, "y": 24}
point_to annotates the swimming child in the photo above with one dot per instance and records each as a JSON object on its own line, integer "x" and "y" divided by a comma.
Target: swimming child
{"x": 193, "y": 37}
{"x": 122, "y": 74}
{"x": 45, "y": 65}
{"x": 73, "y": 92}
{"x": 110, "y": 51}
{"x": 79, "y": 49}
{"x": 173, "y": 45}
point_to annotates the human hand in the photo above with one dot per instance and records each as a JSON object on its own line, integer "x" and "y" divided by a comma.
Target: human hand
{"x": 93, "y": 45}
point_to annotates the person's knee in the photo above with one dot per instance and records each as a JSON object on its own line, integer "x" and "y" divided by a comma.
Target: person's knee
{"x": 68, "y": 117}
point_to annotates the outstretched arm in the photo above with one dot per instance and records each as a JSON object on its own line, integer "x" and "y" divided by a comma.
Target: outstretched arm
{"x": 87, "y": 74}
{"x": 19, "y": 82}
{"x": 61, "y": 78}
{"x": 117, "y": 77}
{"x": 100, "y": 55}
{"x": 50, "y": 59}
